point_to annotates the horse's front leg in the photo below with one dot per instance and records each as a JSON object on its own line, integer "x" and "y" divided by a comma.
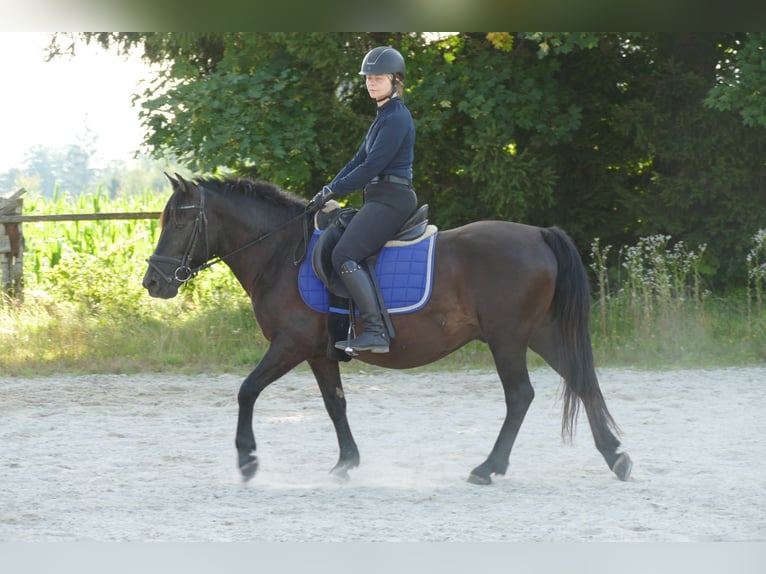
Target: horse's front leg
{"x": 275, "y": 363}
{"x": 327, "y": 374}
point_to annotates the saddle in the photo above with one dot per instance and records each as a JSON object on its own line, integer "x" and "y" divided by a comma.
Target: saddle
{"x": 332, "y": 221}
{"x": 323, "y": 290}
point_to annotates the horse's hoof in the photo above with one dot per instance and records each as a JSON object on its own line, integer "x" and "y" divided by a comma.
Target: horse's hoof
{"x": 249, "y": 467}
{"x": 481, "y": 480}
{"x": 622, "y": 466}
{"x": 340, "y": 471}
{"x": 340, "y": 475}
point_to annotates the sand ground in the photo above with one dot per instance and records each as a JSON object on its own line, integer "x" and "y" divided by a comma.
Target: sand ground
{"x": 151, "y": 458}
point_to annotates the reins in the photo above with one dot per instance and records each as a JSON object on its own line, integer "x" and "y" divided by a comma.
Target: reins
{"x": 257, "y": 240}
{"x": 184, "y": 272}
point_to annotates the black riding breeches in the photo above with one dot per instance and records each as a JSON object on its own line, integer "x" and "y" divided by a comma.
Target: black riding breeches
{"x": 386, "y": 207}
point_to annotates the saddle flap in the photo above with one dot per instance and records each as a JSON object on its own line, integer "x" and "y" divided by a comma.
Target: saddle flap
{"x": 321, "y": 260}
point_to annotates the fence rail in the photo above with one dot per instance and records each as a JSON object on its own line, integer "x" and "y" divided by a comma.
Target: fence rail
{"x": 80, "y": 216}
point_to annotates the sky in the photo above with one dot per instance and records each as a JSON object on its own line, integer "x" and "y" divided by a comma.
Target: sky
{"x": 52, "y": 103}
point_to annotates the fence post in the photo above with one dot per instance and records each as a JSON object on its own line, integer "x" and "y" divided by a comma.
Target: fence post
{"x": 11, "y": 250}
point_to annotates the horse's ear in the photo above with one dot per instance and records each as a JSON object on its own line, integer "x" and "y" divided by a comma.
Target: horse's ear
{"x": 184, "y": 185}
{"x": 188, "y": 188}
{"x": 173, "y": 182}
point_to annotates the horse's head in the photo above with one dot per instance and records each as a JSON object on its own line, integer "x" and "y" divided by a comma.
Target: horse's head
{"x": 183, "y": 245}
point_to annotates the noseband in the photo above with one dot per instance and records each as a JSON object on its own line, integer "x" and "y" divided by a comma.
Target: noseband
{"x": 184, "y": 271}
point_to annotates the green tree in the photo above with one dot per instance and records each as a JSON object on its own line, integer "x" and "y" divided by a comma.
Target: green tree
{"x": 484, "y": 120}
{"x": 649, "y": 155}
{"x": 741, "y": 79}
{"x": 657, "y": 159}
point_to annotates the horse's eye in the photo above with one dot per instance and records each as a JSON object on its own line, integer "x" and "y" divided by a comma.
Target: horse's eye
{"x": 181, "y": 218}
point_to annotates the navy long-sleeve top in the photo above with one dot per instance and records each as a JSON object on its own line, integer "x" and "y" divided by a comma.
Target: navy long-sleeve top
{"x": 388, "y": 149}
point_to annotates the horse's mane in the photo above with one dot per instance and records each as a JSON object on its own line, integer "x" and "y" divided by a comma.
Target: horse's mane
{"x": 257, "y": 189}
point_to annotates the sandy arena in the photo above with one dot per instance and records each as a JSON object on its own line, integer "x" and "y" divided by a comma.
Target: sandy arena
{"x": 152, "y": 458}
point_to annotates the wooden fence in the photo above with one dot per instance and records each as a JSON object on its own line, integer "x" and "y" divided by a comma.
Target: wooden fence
{"x": 12, "y": 238}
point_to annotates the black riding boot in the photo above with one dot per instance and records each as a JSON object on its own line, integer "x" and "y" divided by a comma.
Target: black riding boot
{"x": 362, "y": 292}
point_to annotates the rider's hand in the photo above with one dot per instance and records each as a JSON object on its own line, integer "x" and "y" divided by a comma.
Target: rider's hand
{"x": 319, "y": 200}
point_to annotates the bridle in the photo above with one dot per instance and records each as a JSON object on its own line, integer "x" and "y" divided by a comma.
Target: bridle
{"x": 184, "y": 271}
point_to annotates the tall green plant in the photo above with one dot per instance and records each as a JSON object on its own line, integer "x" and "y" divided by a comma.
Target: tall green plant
{"x": 600, "y": 268}
{"x": 661, "y": 279}
{"x": 756, "y": 281}
{"x": 654, "y": 301}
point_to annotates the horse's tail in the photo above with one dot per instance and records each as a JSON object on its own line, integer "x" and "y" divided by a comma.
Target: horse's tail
{"x": 571, "y": 313}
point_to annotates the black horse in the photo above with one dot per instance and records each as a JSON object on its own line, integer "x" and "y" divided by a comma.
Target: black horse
{"x": 510, "y": 285}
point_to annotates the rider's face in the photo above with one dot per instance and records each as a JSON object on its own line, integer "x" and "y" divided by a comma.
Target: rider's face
{"x": 378, "y": 85}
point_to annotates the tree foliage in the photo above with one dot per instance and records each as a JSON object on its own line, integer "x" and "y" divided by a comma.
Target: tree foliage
{"x": 741, "y": 85}
{"x": 610, "y": 135}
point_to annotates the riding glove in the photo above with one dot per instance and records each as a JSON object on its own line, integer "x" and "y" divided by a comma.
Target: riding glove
{"x": 318, "y": 201}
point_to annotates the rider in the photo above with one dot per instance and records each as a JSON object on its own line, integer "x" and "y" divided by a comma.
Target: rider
{"x": 383, "y": 167}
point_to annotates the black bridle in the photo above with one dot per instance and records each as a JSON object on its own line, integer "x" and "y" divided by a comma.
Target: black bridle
{"x": 185, "y": 272}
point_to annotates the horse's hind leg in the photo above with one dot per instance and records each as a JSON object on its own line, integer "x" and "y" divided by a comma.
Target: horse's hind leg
{"x": 547, "y": 343}
{"x": 327, "y": 375}
{"x": 512, "y": 368}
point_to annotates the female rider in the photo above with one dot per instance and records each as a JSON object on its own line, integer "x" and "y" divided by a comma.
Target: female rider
{"x": 383, "y": 167}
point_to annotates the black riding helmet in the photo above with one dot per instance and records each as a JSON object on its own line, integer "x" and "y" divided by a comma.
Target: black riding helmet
{"x": 383, "y": 60}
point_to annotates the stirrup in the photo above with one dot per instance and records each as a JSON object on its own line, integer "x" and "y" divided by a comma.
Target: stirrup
{"x": 344, "y": 346}
{"x": 352, "y": 347}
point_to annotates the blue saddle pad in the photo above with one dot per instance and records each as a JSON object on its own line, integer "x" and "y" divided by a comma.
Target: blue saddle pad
{"x": 405, "y": 276}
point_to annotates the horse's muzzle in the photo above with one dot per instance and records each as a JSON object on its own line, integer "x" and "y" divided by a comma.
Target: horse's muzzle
{"x": 156, "y": 287}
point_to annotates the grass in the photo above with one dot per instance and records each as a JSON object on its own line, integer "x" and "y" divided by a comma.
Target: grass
{"x": 48, "y": 339}
{"x": 178, "y": 340}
